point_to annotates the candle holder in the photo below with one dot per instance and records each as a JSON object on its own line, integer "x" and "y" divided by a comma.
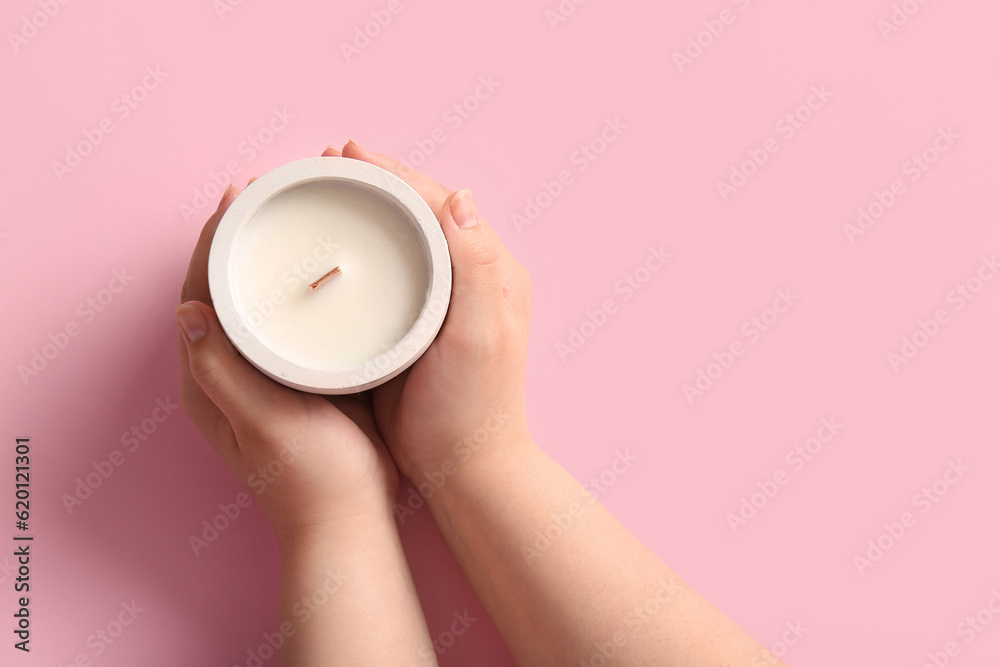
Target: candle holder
{"x": 330, "y": 275}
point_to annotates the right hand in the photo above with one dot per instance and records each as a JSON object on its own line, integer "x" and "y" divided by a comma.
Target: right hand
{"x": 464, "y": 399}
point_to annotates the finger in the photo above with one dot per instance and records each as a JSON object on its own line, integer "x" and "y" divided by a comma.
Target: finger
{"x": 204, "y": 413}
{"x": 331, "y": 152}
{"x": 358, "y": 408}
{"x": 243, "y": 394}
{"x": 196, "y": 283}
{"x": 385, "y": 403}
{"x": 433, "y": 192}
{"x": 252, "y": 179}
{"x": 478, "y": 260}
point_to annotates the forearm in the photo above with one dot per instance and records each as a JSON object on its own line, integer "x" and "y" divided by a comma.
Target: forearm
{"x": 565, "y": 582}
{"x": 347, "y": 598}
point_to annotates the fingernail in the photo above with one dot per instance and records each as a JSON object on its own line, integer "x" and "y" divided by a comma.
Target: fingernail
{"x": 330, "y": 148}
{"x": 352, "y": 141}
{"x": 192, "y": 322}
{"x": 463, "y": 209}
{"x": 252, "y": 179}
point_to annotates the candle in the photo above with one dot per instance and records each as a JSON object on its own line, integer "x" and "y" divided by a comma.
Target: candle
{"x": 299, "y": 236}
{"x": 330, "y": 275}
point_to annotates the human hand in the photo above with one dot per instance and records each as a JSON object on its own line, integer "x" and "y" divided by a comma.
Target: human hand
{"x": 464, "y": 397}
{"x": 310, "y": 460}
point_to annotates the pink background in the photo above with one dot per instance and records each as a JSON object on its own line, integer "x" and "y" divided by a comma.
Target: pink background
{"x": 656, "y": 184}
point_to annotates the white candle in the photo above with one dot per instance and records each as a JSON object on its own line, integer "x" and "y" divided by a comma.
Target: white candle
{"x": 293, "y": 226}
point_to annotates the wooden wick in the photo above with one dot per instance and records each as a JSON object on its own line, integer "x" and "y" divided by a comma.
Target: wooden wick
{"x": 330, "y": 275}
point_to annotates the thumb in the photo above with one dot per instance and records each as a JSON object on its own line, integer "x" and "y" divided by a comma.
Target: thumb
{"x": 477, "y": 259}
{"x": 238, "y": 389}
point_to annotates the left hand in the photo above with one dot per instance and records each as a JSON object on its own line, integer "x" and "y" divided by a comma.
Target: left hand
{"x": 309, "y": 460}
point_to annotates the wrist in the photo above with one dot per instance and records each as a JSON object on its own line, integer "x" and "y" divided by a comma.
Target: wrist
{"x": 501, "y": 432}
{"x": 346, "y": 524}
{"x": 468, "y": 472}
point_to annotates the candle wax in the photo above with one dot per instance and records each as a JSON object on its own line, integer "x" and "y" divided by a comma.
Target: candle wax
{"x": 301, "y": 234}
